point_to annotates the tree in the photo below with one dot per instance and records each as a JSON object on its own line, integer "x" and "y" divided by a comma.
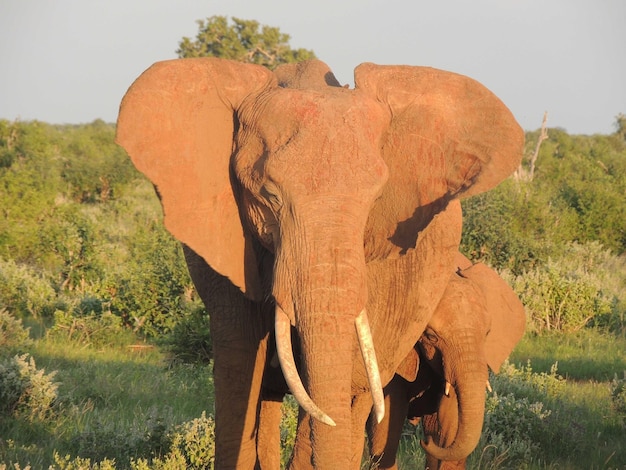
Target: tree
{"x": 243, "y": 41}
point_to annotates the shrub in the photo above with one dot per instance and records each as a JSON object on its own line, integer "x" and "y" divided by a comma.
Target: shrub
{"x": 67, "y": 463}
{"x": 568, "y": 295}
{"x": 528, "y": 415}
{"x": 190, "y": 339}
{"x": 102, "y": 437}
{"x": 24, "y": 291}
{"x": 90, "y": 328}
{"x": 14, "y": 338}
{"x": 618, "y": 398}
{"x": 510, "y": 428}
{"x": 192, "y": 447}
{"x": 154, "y": 292}
{"x": 25, "y": 391}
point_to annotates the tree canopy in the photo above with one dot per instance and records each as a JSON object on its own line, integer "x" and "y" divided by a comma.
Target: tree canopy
{"x": 242, "y": 40}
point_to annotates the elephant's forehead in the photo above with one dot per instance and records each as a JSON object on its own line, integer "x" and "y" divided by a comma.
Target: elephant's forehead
{"x": 334, "y": 111}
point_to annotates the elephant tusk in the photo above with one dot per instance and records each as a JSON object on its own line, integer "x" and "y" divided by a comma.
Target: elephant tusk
{"x": 288, "y": 366}
{"x": 447, "y": 389}
{"x": 366, "y": 344}
{"x": 489, "y": 387}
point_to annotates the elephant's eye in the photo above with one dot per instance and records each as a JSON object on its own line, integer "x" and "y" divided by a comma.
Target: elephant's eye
{"x": 270, "y": 194}
{"x": 430, "y": 335}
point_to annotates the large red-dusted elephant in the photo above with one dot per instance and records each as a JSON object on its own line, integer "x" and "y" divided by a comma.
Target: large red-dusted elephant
{"x": 311, "y": 208}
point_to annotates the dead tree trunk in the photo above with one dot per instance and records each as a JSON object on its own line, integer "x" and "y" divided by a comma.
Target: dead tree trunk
{"x": 527, "y": 175}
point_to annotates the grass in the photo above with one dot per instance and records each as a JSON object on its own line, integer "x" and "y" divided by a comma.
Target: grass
{"x": 112, "y": 402}
{"x": 582, "y": 356}
{"x": 119, "y": 403}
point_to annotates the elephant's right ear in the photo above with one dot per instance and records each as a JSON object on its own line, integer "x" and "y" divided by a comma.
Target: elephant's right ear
{"x": 177, "y": 122}
{"x": 455, "y": 135}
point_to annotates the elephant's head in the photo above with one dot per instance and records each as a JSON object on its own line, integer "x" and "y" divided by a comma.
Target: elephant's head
{"x": 288, "y": 186}
{"x": 477, "y": 324}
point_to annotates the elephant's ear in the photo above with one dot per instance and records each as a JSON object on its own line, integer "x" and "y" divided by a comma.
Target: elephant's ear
{"x": 448, "y": 126}
{"x": 177, "y": 122}
{"x": 508, "y": 318}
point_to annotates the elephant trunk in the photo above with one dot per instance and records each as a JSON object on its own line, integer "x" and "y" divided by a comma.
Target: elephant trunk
{"x": 469, "y": 386}
{"x": 325, "y": 301}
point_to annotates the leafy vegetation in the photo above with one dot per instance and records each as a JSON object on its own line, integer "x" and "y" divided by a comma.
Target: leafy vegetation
{"x": 242, "y": 40}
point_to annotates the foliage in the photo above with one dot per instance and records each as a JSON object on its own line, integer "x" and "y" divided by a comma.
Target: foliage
{"x": 618, "y": 397}
{"x": 578, "y": 195}
{"x": 511, "y": 425}
{"x": 25, "y": 391}
{"x": 67, "y": 463}
{"x": 24, "y": 291}
{"x": 14, "y": 338}
{"x": 155, "y": 292}
{"x": 243, "y": 41}
{"x": 192, "y": 445}
{"x": 586, "y": 286}
{"x": 95, "y": 328}
{"x": 190, "y": 340}
{"x": 102, "y": 438}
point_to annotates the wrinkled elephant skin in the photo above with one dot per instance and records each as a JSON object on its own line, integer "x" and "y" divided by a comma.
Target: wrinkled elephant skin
{"x": 310, "y": 207}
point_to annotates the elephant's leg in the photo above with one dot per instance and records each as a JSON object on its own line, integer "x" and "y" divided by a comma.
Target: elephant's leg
{"x": 239, "y": 331}
{"x": 384, "y": 437}
{"x": 268, "y": 435}
{"x": 238, "y": 372}
{"x": 441, "y": 426}
{"x": 361, "y": 410}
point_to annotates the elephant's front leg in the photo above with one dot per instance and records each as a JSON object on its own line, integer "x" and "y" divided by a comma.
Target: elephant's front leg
{"x": 384, "y": 437}
{"x": 239, "y": 331}
{"x": 239, "y": 361}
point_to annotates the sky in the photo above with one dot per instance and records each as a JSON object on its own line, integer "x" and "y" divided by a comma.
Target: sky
{"x": 71, "y": 61}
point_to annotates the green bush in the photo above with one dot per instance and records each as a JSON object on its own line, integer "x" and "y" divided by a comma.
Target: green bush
{"x": 68, "y": 463}
{"x": 154, "y": 293}
{"x": 25, "y": 291}
{"x": 190, "y": 339}
{"x": 510, "y": 429}
{"x": 618, "y": 398}
{"x": 526, "y": 417}
{"x": 14, "y": 338}
{"x": 584, "y": 287}
{"x": 91, "y": 328}
{"x": 192, "y": 447}
{"x": 103, "y": 438}
{"x": 25, "y": 391}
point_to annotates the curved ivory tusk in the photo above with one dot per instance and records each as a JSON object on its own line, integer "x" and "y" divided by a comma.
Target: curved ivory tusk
{"x": 489, "y": 387}
{"x": 447, "y": 390}
{"x": 288, "y": 365}
{"x": 366, "y": 345}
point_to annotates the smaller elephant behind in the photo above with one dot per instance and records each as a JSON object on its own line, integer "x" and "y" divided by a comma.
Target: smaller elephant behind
{"x": 475, "y": 327}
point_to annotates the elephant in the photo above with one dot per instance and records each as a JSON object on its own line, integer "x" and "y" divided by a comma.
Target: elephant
{"x": 476, "y": 325}
{"x": 316, "y": 218}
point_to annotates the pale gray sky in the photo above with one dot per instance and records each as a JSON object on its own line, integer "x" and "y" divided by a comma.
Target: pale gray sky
{"x": 70, "y": 61}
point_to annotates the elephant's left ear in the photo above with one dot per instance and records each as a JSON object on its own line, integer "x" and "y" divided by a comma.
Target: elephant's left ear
{"x": 508, "y": 317}
{"x": 450, "y": 124}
